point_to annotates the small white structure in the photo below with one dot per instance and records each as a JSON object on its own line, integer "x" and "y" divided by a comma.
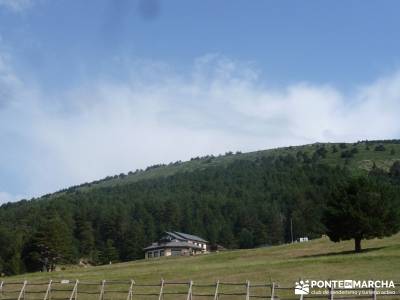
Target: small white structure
{"x": 303, "y": 239}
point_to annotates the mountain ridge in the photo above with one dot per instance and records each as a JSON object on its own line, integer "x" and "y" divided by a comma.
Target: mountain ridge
{"x": 381, "y": 160}
{"x": 241, "y": 200}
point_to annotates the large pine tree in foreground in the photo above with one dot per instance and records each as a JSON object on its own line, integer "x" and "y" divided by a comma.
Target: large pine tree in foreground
{"x": 51, "y": 244}
{"x": 363, "y": 208}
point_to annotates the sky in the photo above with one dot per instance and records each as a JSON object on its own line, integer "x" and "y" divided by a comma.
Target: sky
{"x": 99, "y": 87}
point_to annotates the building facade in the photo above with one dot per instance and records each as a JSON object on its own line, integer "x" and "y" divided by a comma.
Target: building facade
{"x": 177, "y": 244}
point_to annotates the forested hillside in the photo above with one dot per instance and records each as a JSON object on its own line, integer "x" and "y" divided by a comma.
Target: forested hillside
{"x": 236, "y": 200}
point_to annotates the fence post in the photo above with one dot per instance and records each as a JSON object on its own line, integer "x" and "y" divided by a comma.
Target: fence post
{"x": 130, "y": 294}
{"x": 189, "y": 295}
{"x": 1, "y": 288}
{"x": 76, "y": 290}
{"x": 102, "y": 290}
{"x": 48, "y": 291}
{"x": 22, "y": 292}
{"x": 247, "y": 290}
{"x": 273, "y": 291}
{"x": 301, "y": 296}
{"x": 216, "y": 297}
{"x": 374, "y": 293}
{"x": 74, "y": 294}
{"x": 161, "y": 296}
{"x": 331, "y": 293}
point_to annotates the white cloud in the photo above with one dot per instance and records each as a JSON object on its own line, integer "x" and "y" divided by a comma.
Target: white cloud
{"x": 105, "y": 127}
{"x": 16, "y": 5}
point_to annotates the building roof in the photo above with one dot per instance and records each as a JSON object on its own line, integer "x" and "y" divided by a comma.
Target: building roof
{"x": 191, "y": 237}
{"x": 176, "y": 236}
{"x": 180, "y": 241}
{"x": 172, "y": 244}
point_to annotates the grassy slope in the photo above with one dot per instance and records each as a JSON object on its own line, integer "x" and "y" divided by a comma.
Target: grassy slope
{"x": 362, "y": 161}
{"x": 319, "y": 259}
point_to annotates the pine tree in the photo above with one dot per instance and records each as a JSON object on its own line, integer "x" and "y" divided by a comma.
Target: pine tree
{"x": 362, "y": 209}
{"x": 109, "y": 253}
{"x": 10, "y": 252}
{"x": 395, "y": 169}
{"x": 86, "y": 239}
{"x": 134, "y": 239}
{"x": 226, "y": 237}
{"x": 246, "y": 239}
{"x": 275, "y": 226}
{"x": 51, "y": 244}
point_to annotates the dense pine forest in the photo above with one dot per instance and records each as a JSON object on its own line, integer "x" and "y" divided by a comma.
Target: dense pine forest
{"x": 241, "y": 200}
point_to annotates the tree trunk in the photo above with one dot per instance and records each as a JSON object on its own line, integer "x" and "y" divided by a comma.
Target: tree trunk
{"x": 357, "y": 243}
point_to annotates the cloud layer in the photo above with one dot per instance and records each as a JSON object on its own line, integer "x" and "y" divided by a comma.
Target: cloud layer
{"x": 16, "y": 5}
{"x": 107, "y": 126}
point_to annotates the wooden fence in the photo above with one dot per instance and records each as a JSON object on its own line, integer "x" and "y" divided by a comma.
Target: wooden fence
{"x": 166, "y": 290}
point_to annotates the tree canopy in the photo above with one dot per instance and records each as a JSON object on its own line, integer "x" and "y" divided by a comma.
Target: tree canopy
{"x": 363, "y": 208}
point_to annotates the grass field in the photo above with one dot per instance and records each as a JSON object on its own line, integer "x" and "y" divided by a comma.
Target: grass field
{"x": 316, "y": 260}
{"x": 319, "y": 259}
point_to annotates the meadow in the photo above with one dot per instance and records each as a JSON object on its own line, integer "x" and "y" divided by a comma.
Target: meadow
{"x": 319, "y": 259}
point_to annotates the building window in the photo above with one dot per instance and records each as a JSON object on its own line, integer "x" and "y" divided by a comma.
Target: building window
{"x": 161, "y": 252}
{"x": 176, "y": 252}
{"x": 150, "y": 254}
{"x": 155, "y": 253}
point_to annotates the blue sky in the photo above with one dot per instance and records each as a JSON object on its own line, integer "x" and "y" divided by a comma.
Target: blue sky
{"x": 94, "y": 88}
{"x": 342, "y": 43}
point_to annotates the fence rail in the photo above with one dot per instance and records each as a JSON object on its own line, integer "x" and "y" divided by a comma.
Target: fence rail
{"x": 166, "y": 290}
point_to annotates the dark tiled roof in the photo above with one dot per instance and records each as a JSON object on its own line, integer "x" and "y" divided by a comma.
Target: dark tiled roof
{"x": 190, "y": 237}
{"x": 174, "y": 235}
{"x": 172, "y": 244}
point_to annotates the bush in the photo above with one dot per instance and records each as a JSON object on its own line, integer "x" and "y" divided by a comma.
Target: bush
{"x": 347, "y": 154}
{"x": 380, "y": 148}
{"x": 321, "y": 152}
{"x": 395, "y": 169}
